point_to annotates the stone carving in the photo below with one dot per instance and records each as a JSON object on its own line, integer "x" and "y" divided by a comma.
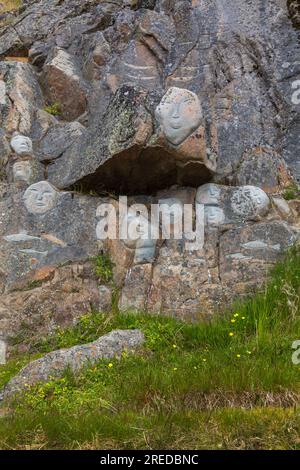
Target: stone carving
{"x": 2, "y": 352}
{"x": 179, "y": 114}
{"x": 250, "y": 201}
{"x": 214, "y": 215}
{"x": 21, "y": 144}
{"x": 139, "y": 238}
{"x": 22, "y": 171}
{"x": 224, "y": 204}
{"x": 40, "y": 197}
{"x": 20, "y": 237}
{"x": 208, "y": 194}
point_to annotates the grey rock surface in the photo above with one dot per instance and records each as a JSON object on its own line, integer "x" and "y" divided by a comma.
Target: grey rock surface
{"x": 54, "y": 364}
{"x": 153, "y": 100}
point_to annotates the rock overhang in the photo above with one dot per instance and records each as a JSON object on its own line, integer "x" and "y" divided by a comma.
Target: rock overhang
{"x": 138, "y": 147}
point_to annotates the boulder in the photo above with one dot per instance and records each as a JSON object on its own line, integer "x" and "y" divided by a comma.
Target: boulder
{"x": 54, "y": 364}
{"x": 63, "y": 84}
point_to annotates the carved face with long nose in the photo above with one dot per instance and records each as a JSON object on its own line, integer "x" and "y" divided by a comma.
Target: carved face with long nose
{"x": 179, "y": 114}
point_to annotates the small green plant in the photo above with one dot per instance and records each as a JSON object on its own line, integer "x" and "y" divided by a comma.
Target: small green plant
{"x": 54, "y": 109}
{"x": 103, "y": 267}
{"x": 34, "y": 284}
{"x": 2, "y": 175}
{"x": 292, "y": 192}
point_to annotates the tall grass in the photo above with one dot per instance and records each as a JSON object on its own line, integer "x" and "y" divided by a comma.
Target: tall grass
{"x": 185, "y": 378}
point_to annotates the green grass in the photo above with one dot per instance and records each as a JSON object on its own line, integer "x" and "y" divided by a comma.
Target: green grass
{"x": 8, "y": 5}
{"x": 103, "y": 268}
{"x": 292, "y": 192}
{"x": 185, "y": 389}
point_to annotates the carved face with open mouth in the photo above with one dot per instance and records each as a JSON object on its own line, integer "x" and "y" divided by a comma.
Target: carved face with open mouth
{"x": 40, "y": 197}
{"x": 179, "y": 114}
{"x": 21, "y": 144}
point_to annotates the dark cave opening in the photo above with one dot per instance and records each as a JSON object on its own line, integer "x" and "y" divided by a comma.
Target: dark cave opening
{"x": 135, "y": 173}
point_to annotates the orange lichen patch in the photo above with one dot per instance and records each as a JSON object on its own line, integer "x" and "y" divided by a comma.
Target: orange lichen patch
{"x": 16, "y": 59}
{"x": 285, "y": 177}
{"x": 43, "y": 274}
{"x": 53, "y": 239}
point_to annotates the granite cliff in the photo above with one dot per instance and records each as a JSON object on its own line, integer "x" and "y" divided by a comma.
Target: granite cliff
{"x": 190, "y": 103}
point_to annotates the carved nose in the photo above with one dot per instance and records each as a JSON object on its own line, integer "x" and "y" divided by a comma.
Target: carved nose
{"x": 175, "y": 114}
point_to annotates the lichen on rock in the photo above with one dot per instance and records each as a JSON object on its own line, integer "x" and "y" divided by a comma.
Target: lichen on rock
{"x": 157, "y": 101}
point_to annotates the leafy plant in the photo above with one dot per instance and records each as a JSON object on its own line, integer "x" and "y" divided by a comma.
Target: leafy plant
{"x": 103, "y": 267}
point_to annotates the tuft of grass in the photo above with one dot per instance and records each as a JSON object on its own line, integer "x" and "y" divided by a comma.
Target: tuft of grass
{"x": 292, "y": 192}
{"x": 189, "y": 387}
{"x": 103, "y": 267}
{"x": 55, "y": 109}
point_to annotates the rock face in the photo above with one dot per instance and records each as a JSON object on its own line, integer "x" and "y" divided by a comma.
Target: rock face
{"x": 55, "y": 363}
{"x": 191, "y": 103}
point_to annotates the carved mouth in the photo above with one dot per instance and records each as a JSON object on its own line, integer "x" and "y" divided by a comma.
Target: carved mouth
{"x": 176, "y": 125}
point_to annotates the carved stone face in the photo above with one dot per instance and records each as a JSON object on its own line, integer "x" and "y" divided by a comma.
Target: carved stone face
{"x": 214, "y": 215}
{"x": 250, "y": 200}
{"x": 40, "y": 197}
{"x": 21, "y": 144}
{"x": 137, "y": 228}
{"x": 139, "y": 233}
{"x": 22, "y": 171}
{"x": 179, "y": 114}
{"x": 208, "y": 194}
